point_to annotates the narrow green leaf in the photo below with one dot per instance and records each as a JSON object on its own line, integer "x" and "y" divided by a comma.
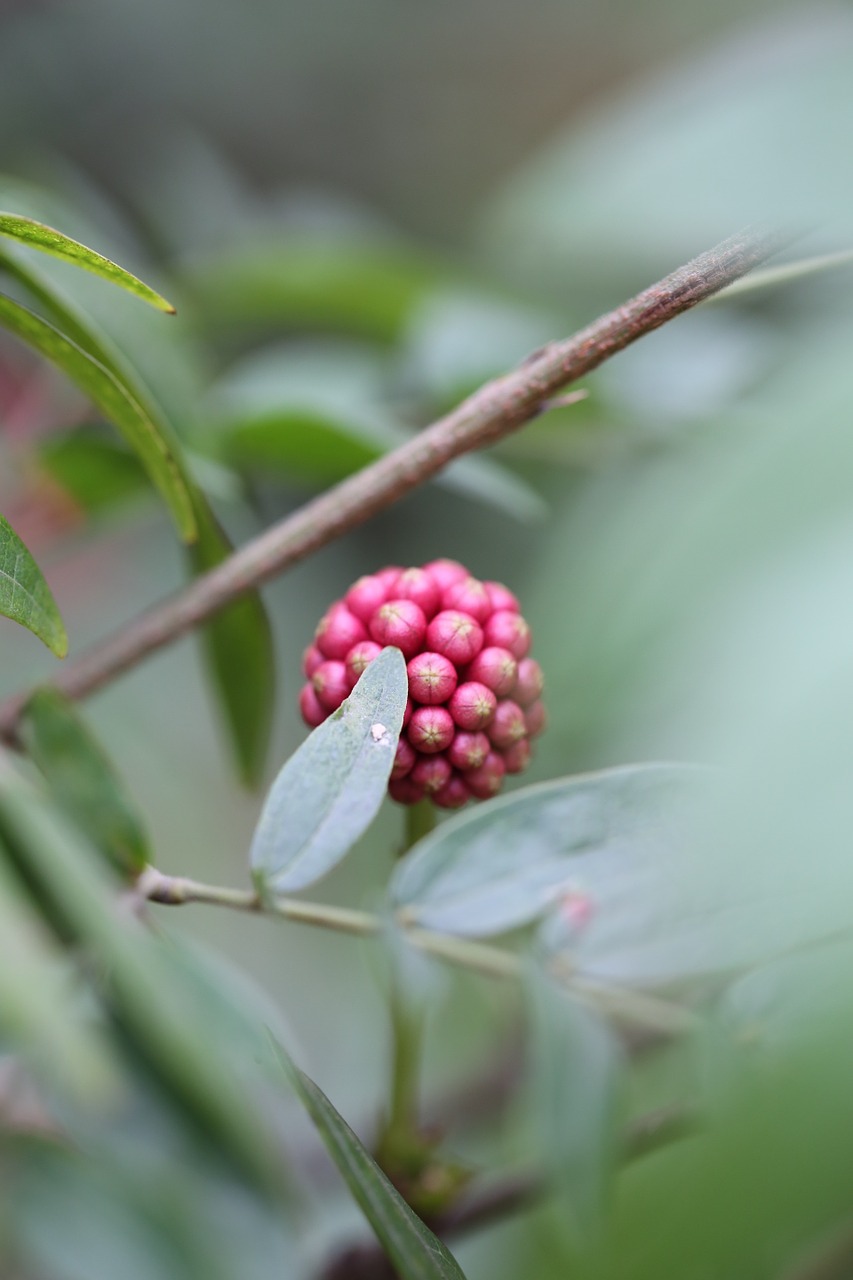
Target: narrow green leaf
{"x": 240, "y": 654}
{"x": 786, "y": 273}
{"x": 82, "y": 779}
{"x": 25, "y": 596}
{"x": 415, "y": 1252}
{"x": 38, "y": 236}
{"x": 160, "y": 455}
{"x": 330, "y": 790}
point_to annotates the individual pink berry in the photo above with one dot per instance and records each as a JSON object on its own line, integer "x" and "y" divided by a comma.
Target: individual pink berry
{"x": 404, "y": 791}
{"x": 311, "y": 659}
{"x": 388, "y": 577}
{"x": 468, "y": 750}
{"x": 313, "y": 712}
{"x": 432, "y": 773}
{"x": 445, "y": 572}
{"x": 400, "y": 623}
{"x": 456, "y": 636}
{"x": 517, "y": 757}
{"x": 431, "y": 729}
{"x": 432, "y": 678}
{"x": 404, "y": 760}
{"x": 530, "y": 682}
{"x": 417, "y": 585}
{"x": 536, "y": 718}
{"x": 453, "y": 794}
{"x": 486, "y": 781}
{"x": 472, "y": 705}
{"x": 468, "y": 596}
{"x": 496, "y": 669}
{"x": 501, "y": 598}
{"x": 508, "y": 725}
{"x": 331, "y": 684}
{"x": 338, "y": 631}
{"x": 366, "y": 596}
{"x": 508, "y": 630}
{"x": 407, "y": 714}
{"x": 359, "y": 656}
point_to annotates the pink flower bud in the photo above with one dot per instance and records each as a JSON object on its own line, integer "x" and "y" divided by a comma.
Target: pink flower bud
{"x": 400, "y": 623}
{"x": 407, "y": 713}
{"x": 359, "y": 656}
{"x": 453, "y": 794}
{"x": 508, "y": 725}
{"x": 417, "y": 585}
{"x": 330, "y": 684}
{"x": 338, "y": 631}
{"x": 530, "y": 683}
{"x": 432, "y": 678}
{"x": 517, "y": 757}
{"x": 495, "y": 668}
{"x": 472, "y": 705}
{"x": 456, "y": 636}
{"x": 486, "y": 781}
{"x": 508, "y": 630}
{"x": 501, "y": 598}
{"x": 431, "y": 729}
{"x": 309, "y": 704}
{"x": 404, "y": 760}
{"x": 468, "y": 750}
{"x": 468, "y": 596}
{"x": 388, "y": 577}
{"x": 432, "y": 773}
{"x": 404, "y": 791}
{"x": 535, "y": 718}
{"x": 311, "y": 659}
{"x": 366, "y": 596}
{"x": 444, "y": 572}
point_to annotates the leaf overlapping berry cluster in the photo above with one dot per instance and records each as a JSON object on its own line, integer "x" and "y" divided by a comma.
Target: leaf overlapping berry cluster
{"x": 474, "y": 693}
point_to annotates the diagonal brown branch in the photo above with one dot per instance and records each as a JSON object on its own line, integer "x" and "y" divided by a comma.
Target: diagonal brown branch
{"x": 496, "y": 410}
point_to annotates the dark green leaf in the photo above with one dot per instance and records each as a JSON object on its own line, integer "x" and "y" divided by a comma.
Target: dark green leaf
{"x": 82, "y": 779}
{"x": 330, "y": 790}
{"x": 38, "y": 236}
{"x": 25, "y": 596}
{"x": 416, "y": 1253}
{"x": 95, "y": 469}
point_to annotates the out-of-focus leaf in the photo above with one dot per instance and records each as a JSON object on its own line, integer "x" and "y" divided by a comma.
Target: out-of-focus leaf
{"x": 240, "y": 655}
{"x": 96, "y": 470}
{"x": 330, "y": 790}
{"x": 416, "y": 1253}
{"x": 787, "y": 273}
{"x": 594, "y": 838}
{"x": 38, "y": 236}
{"x": 25, "y": 596}
{"x": 159, "y": 453}
{"x": 82, "y": 780}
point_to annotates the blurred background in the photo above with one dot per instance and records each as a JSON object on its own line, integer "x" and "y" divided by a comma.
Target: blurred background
{"x": 362, "y": 212}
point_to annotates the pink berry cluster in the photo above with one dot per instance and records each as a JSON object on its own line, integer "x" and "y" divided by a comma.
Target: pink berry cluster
{"x": 474, "y": 694}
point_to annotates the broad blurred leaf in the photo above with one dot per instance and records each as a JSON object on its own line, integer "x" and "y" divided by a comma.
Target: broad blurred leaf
{"x": 416, "y": 1253}
{"x": 25, "y": 597}
{"x": 95, "y": 469}
{"x": 330, "y": 790}
{"x": 38, "y": 236}
{"x": 595, "y": 836}
{"x": 82, "y": 779}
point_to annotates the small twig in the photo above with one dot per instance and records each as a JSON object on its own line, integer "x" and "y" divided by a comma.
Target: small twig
{"x": 493, "y": 412}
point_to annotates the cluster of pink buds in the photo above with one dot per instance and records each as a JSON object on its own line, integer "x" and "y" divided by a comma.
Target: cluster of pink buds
{"x": 474, "y": 694}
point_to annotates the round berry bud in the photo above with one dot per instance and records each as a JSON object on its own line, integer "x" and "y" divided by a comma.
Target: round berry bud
{"x": 472, "y": 705}
{"x": 486, "y": 781}
{"x": 495, "y": 668}
{"x": 432, "y": 678}
{"x": 417, "y": 585}
{"x": 331, "y": 684}
{"x": 313, "y": 713}
{"x": 404, "y": 760}
{"x": 468, "y": 750}
{"x": 359, "y": 656}
{"x": 508, "y": 630}
{"x": 407, "y": 713}
{"x": 365, "y": 597}
{"x": 469, "y": 596}
{"x": 535, "y": 717}
{"x": 456, "y": 636}
{"x": 444, "y": 572}
{"x": 404, "y": 791}
{"x": 432, "y": 773}
{"x": 517, "y": 757}
{"x": 453, "y": 794}
{"x": 501, "y": 598}
{"x": 508, "y": 726}
{"x": 311, "y": 659}
{"x": 388, "y": 577}
{"x": 530, "y": 682}
{"x": 431, "y": 729}
{"x": 400, "y": 623}
{"x": 338, "y": 631}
